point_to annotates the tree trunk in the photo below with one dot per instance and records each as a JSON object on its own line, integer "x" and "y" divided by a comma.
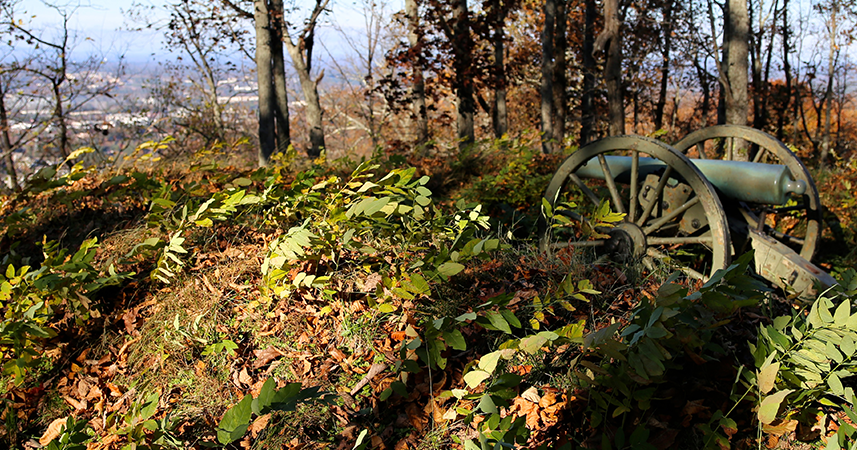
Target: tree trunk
{"x": 787, "y": 70}
{"x": 301, "y": 55}
{"x": 736, "y": 38}
{"x": 610, "y": 40}
{"x": 831, "y": 66}
{"x": 547, "y": 104}
{"x": 587, "y": 113}
{"x": 560, "y": 82}
{"x": 59, "y": 117}
{"x": 665, "y": 63}
{"x": 418, "y": 91}
{"x": 702, "y": 75}
{"x": 281, "y": 113}
{"x": 5, "y": 142}
{"x": 264, "y": 77}
{"x": 462, "y": 47}
{"x": 499, "y": 114}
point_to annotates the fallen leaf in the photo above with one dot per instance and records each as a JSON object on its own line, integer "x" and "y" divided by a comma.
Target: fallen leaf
{"x": 74, "y": 403}
{"x": 199, "y": 368}
{"x": 527, "y": 409}
{"x": 415, "y": 416}
{"x": 53, "y": 431}
{"x": 130, "y": 319}
{"x": 374, "y": 370}
{"x": 211, "y": 288}
{"x": 259, "y": 424}
{"x": 434, "y": 410}
{"x": 114, "y": 391}
{"x": 265, "y": 356}
{"x": 531, "y": 394}
{"x": 338, "y": 354}
{"x": 371, "y": 282}
{"x": 244, "y": 377}
{"x": 780, "y": 427}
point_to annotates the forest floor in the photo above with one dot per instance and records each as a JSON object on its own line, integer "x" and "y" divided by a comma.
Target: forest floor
{"x": 157, "y": 299}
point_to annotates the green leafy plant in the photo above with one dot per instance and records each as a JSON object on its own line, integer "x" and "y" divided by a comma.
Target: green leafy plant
{"x": 803, "y": 362}
{"x": 30, "y": 298}
{"x": 73, "y": 436}
{"x": 236, "y": 419}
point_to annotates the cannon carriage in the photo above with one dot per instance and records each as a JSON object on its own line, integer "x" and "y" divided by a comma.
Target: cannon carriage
{"x": 693, "y": 214}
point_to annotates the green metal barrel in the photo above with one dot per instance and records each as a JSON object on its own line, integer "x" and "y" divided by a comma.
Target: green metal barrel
{"x": 769, "y": 184}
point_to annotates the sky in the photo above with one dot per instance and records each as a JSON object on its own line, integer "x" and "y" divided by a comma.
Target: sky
{"x": 102, "y": 27}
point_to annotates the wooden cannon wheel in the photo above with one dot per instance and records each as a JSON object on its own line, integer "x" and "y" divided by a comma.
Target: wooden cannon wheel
{"x": 804, "y": 218}
{"x": 691, "y": 233}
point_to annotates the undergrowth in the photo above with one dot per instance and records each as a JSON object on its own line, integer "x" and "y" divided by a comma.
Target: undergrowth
{"x": 333, "y": 308}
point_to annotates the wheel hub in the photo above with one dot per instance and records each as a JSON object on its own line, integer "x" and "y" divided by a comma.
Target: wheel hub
{"x": 627, "y": 241}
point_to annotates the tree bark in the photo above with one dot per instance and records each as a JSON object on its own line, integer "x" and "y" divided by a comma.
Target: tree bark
{"x": 6, "y": 142}
{"x": 610, "y": 40}
{"x": 703, "y": 77}
{"x": 665, "y": 63}
{"x": 499, "y": 114}
{"x": 264, "y": 78}
{"x": 462, "y": 47}
{"x": 548, "y": 55}
{"x": 787, "y": 71}
{"x": 281, "y": 113}
{"x": 560, "y": 82}
{"x": 736, "y": 40}
{"x": 587, "y": 112}
{"x": 828, "y": 95}
{"x": 301, "y": 55}
{"x": 418, "y": 91}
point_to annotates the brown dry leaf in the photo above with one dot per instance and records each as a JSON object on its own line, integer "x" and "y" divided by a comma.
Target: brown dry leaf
{"x": 114, "y": 391}
{"x": 53, "y": 353}
{"x": 377, "y": 443}
{"x": 548, "y": 399}
{"x": 402, "y": 445}
{"x": 53, "y": 431}
{"x": 74, "y": 403}
{"x": 398, "y": 335}
{"x": 130, "y": 319}
{"x": 528, "y": 409}
{"x": 259, "y": 424}
{"x": 692, "y": 408}
{"x": 338, "y": 354}
{"x": 778, "y": 427}
{"x": 434, "y": 410}
{"x": 94, "y": 392}
{"x": 106, "y": 442}
{"x": 265, "y": 356}
{"x": 371, "y": 282}
{"x": 82, "y": 388}
{"x": 199, "y": 368}
{"x": 245, "y": 377}
{"x": 772, "y": 441}
{"x": 211, "y": 288}
{"x": 305, "y": 367}
{"x": 531, "y": 394}
{"x": 415, "y": 416}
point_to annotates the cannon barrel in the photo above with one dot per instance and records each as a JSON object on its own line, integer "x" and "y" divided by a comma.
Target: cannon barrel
{"x": 768, "y": 184}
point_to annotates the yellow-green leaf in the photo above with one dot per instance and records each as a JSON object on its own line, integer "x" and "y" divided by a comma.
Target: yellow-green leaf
{"x": 771, "y": 405}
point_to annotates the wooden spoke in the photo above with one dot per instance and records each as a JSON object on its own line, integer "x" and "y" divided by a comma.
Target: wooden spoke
{"x": 611, "y": 184}
{"x": 669, "y": 217}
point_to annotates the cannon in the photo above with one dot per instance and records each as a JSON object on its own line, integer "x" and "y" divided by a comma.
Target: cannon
{"x": 690, "y": 214}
